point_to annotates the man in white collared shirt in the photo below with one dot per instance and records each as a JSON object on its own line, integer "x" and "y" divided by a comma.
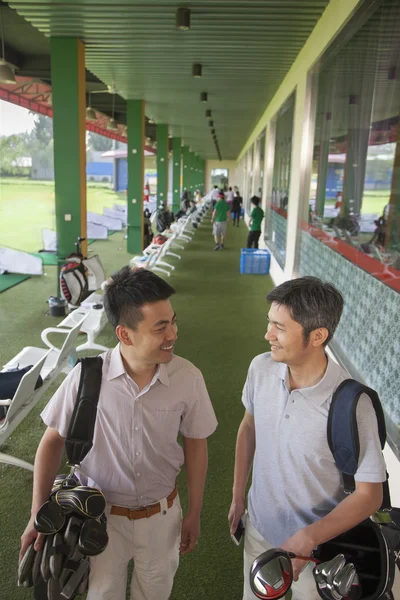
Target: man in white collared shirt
{"x": 148, "y": 396}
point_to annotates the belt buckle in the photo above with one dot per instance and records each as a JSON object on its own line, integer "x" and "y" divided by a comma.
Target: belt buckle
{"x": 131, "y": 512}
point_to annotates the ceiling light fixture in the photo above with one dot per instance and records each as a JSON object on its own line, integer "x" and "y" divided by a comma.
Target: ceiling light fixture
{"x": 90, "y": 112}
{"x": 6, "y": 70}
{"x": 183, "y": 19}
{"x": 197, "y": 70}
{"x": 112, "y": 124}
{"x": 203, "y": 97}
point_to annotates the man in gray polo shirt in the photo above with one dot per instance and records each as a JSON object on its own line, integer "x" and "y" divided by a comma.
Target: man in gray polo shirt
{"x": 296, "y": 501}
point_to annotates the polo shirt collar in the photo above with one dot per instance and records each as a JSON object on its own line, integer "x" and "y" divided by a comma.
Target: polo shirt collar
{"x": 116, "y": 368}
{"x": 318, "y": 393}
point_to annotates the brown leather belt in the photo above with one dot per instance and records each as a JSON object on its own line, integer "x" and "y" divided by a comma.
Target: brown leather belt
{"x": 144, "y": 512}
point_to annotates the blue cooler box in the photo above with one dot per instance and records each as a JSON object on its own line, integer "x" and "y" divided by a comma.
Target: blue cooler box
{"x": 254, "y": 262}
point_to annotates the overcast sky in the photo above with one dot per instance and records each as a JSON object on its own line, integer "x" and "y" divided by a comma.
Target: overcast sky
{"x": 14, "y": 119}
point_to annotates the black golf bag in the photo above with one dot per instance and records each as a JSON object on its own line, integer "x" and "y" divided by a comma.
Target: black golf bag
{"x": 373, "y": 546}
{"x": 72, "y": 520}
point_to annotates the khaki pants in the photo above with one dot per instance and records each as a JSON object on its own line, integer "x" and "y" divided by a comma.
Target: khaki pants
{"x": 254, "y": 545}
{"x": 152, "y": 543}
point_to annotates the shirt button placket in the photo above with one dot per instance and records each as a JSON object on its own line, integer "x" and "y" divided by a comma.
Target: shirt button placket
{"x": 138, "y": 448}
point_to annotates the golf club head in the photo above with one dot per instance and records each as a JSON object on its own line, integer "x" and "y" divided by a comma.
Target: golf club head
{"x": 83, "y": 500}
{"x": 343, "y": 580}
{"x": 57, "y": 555}
{"x": 318, "y": 575}
{"x": 332, "y": 592}
{"x": 74, "y": 582}
{"x": 45, "y": 562}
{"x": 356, "y": 589}
{"x": 36, "y": 574}
{"x": 271, "y": 574}
{"x": 330, "y": 568}
{"x": 72, "y": 533}
{"x": 53, "y": 589}
{"x": 50, "y": 518}
{"x": 25, "y": 567}
{"x": 93, "y": 538}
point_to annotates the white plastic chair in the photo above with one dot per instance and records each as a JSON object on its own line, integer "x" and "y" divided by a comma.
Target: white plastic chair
{"x": 25, "y": 398}
{"x": 55, "y": 360}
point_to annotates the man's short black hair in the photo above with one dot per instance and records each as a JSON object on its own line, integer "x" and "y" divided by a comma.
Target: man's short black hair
{"x": 128, "y": 291}
{"x": 311, "y": 302}
{"x": 255, "y": 200}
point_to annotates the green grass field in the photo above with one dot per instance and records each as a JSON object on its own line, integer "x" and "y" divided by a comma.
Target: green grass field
{"x": 373, "y": 202}
{"x": 26, "y": 207}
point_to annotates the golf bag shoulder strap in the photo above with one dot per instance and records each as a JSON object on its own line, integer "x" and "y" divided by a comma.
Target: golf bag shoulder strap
{"x": 342, "y": 432}
{"x": 79, "y": 438}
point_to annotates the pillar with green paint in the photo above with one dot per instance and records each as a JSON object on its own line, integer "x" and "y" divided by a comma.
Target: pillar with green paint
{"x": 162, "y": 163}
{"x": 192, "y": 179}
{"x": 135, "y": 121}
{"x": 69, "y": 125}
{"x": 185, "y": 168}
{"x": 176, "y": 173}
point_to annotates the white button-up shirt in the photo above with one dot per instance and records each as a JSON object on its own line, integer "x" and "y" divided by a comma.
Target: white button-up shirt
{"x": 135, "y": 457}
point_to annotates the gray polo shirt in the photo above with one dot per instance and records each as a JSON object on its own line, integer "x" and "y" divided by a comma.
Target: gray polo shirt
{"x": 295, "y": 480}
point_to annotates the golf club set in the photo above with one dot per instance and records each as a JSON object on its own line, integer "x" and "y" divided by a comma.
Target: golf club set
{"x": 337, "y": 579}
{"x": 271, "y": 576}
{"x": 73, "y": 519}
{"x": 74, "y": 524}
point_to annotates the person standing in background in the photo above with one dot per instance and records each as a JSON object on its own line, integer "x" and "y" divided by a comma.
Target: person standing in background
{"x": 220, "y": 219}
{"x": 236, "y": 208}
{"x": 229, "y": 197}
{"x": 256, "y": 217}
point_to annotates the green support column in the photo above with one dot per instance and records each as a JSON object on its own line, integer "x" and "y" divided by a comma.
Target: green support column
{"x": 69, "y": 106}
{"x": 162, "y": 163}
{"x": 185, "y": 168}
{"x": 192, "y": 173}
{"x": 176, "y": 173}
{"x": 135, "y": 121}
{"x": 322, "y": 177}
{"x": 354, "y": 170}
{"x": 196, "y": 172}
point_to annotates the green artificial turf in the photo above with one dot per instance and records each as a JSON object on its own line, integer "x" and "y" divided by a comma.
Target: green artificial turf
{"x": 8, "y": 280}
{"x": 222, "y": 321}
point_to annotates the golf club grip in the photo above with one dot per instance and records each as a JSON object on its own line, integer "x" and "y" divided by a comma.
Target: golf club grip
{"x": 307, "y": 558}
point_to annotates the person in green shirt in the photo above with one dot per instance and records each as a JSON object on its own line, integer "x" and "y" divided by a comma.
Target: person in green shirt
{"x": 220, "y": 216}
{"x": 256, "y": 217}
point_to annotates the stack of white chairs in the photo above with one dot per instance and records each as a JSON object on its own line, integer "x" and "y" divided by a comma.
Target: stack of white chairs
{"x": 48, "y": 363}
